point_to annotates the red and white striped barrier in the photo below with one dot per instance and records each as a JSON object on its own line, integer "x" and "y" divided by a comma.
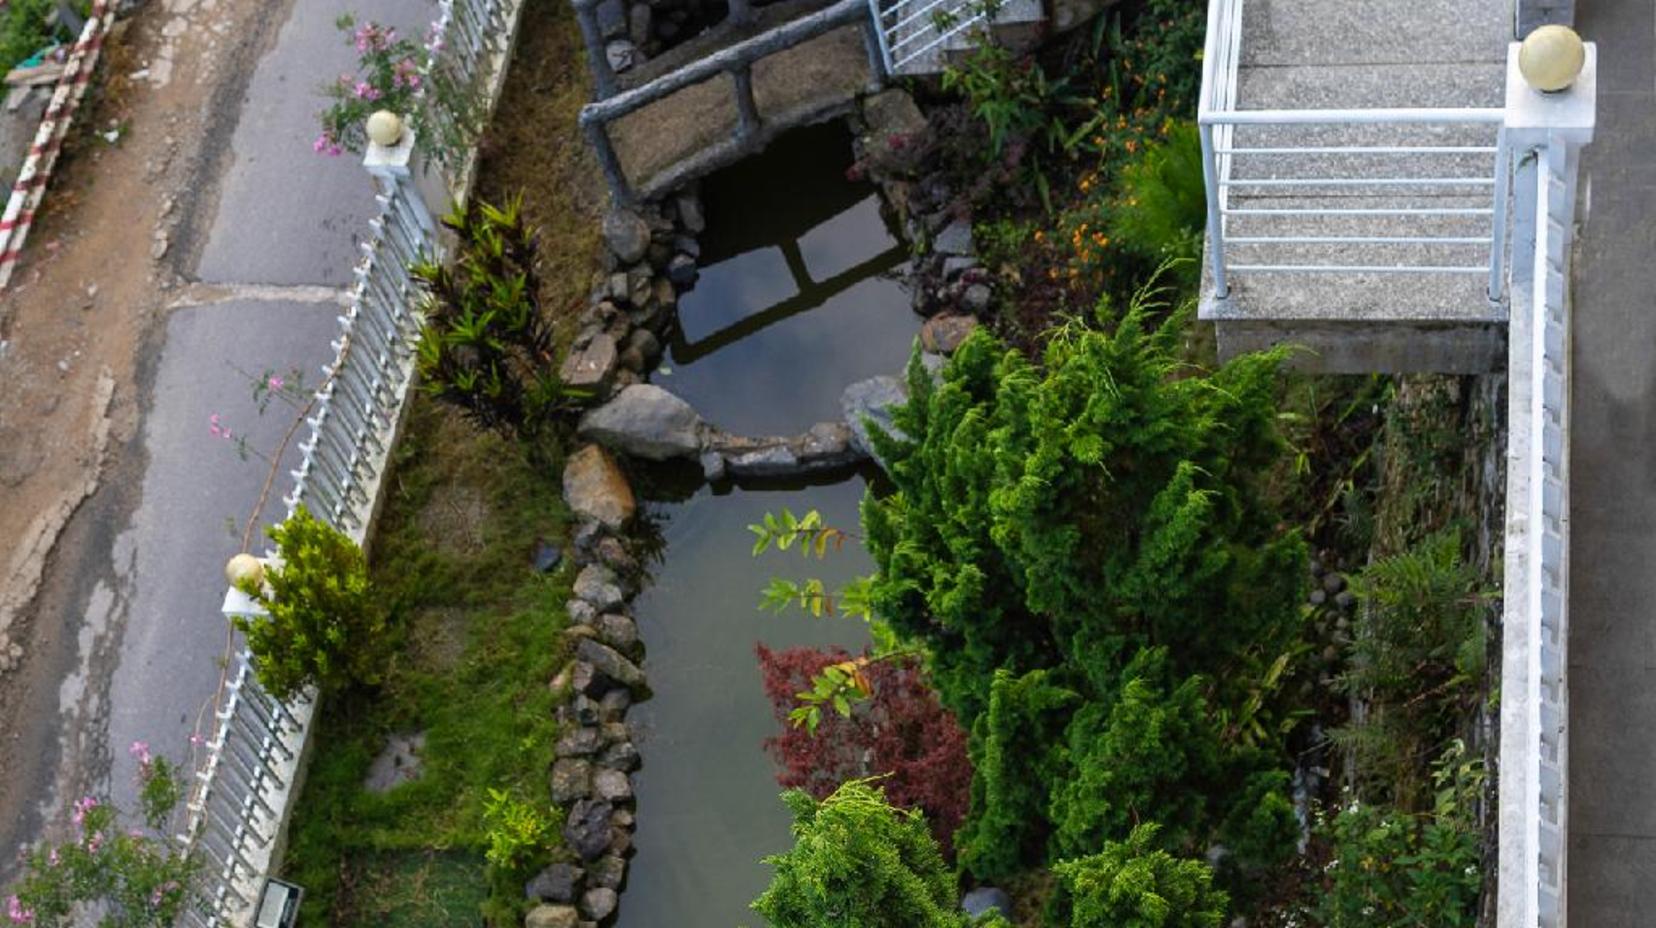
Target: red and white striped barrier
{"x": 37, "y": 167}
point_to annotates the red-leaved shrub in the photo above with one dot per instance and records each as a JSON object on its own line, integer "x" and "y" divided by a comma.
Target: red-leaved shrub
{"x": 900, "y": 730}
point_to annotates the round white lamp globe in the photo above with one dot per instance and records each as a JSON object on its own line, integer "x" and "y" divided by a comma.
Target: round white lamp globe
{"x": 385, "y": 128}
{"x": 1551, "y": 57}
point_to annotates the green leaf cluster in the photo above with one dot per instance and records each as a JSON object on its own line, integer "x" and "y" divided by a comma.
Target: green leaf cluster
{"x": 487, "y": 346}
{"x": 859, "y": 862}
{"x": 1132, "y": 884}
{"x": 1085, "y": 548}
{"x": 323, "y": 625}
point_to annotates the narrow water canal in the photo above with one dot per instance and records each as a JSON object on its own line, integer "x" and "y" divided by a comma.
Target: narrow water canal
{"x": 796, "y": 300}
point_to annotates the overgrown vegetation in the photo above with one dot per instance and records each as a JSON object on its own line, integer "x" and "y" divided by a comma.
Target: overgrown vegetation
{"x": 452, "y": 556}
{"x": 25, "y": 30}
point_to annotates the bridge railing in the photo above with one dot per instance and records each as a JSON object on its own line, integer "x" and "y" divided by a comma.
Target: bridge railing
{"x": 1425, "y": 189}
{"x": 246, "y": 788}
{"x": 736, "y": 62}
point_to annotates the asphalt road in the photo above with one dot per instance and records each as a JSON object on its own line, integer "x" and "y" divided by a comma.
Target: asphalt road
{"x": 136, "y": 581}
{"x": 1612, "y": 650}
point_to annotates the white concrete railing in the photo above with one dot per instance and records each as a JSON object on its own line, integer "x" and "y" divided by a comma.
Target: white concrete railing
{"x": 1397, "y": 157}
{"x": 1547, "y": 133}
{"x": 246, "y": 789}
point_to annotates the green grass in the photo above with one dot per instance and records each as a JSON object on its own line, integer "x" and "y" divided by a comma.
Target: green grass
{"x": 480, "y": 637}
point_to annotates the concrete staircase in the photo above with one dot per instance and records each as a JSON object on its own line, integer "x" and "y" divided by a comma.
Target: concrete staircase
{"x": 1367, "y": 242}
{"x": 926, "y": 36}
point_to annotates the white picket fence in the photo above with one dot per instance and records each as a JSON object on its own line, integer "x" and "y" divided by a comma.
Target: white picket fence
{"x": 245, "y": 791}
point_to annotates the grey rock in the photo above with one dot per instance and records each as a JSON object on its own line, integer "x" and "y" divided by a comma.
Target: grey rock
{"x": 984, "y": 898}
{"x": 618, "y": 631}
{"x": 632, "y": 361}
{"x": 586, "y": 709}
{"x": 610, "y": 662}
{"x": 587, "y": 828}
{"x": 645, "y": 343}
{"x": 622, "y": 54}
{"x": 612, "y": 785}
{"x": 975, "y": 298}
{"x": 1345, "y": 599}
{"x": 609, "y": 871}
{"x": 713, "y": 466}
{"x": 612, "y": 19}
{"x": 614, "y": 705}
{"x": 871, "y": 400}
{"x": 621, "y": 841}
{"x": 592, "y": 367}
{"x": 398, "y": 763}
{"x": 595, "y": 488}
{"x": 1333, "y": 583}
{"x": 552, "y": 916}
{"x": 622, "y": 755}
{"x": 571, "y": 780}
{"x": 944, "y": 332}
{"x": 690, "y": 213}
{"x": 648, "y": 422}
{"x": 581, "y": 612}
{"x": 617, "y": 288}
{"x": 627, "y": 235}
{"x": 687, "y": 245}
{"x": 1316, "y": 567}
{"x": 639, "y": 22}
{"x": 623, "y": 818}
{"x": 955, "y": 239}
{"x": 1318, "y": 597}
{"x": 547, "y": 557}
{"x": 598, "y": 585}
{"x": 557, "y": 883}
{"x": 681, "y": 270}
{"x": 598, "y": 903}
{"x": 583, "y": 741}
{"x": 772, "y": 461}
{"x": 956, "y": 265}
{"x": 614, "y": 732}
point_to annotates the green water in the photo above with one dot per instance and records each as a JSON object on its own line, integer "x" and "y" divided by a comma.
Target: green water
{"x": 707, "y": 794}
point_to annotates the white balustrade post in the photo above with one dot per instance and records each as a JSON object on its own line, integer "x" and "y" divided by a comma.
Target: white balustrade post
{"x": 1545, "y": 133}
{"x": 390, "y": 167}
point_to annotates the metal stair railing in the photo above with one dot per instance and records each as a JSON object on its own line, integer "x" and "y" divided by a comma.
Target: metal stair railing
{"x": 1233, "y": 138}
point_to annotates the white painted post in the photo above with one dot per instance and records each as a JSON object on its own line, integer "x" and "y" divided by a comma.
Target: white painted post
{"x": 1545, "y": 132}
{"x": 389, "y": 165}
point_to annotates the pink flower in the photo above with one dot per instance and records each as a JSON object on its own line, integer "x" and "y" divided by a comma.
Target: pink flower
{"x": 84, "y": 805}
{"x": 275, "y": 382}
{"x": 367, "y": 91}
{"x": 216, "y": 428}
{"x": 140, "y": 752}
{"x": 197, "y": 740}
{"x": 94, "y": 842}
{"x": 17, "y": 913}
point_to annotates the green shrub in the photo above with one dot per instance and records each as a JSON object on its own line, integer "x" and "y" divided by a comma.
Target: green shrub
{"x": 1131, "y": 884}
{"x": 1099, "y": 517}
{"x": 23, "y": 30}
{"x": 323, "y": 625}
{"x": 858, "y": 862}
{"x": 1261, "y": 829}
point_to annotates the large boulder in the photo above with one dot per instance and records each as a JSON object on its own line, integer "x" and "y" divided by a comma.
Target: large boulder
{"x": 596, "y": 489}
{"x": 944, "y": 332}
{"x": 557, "y": 883}
{"x": 610, "y": 663}
{"x": 627, "y": 234}
{"x": 587, "y": 829}
{"x": 871, "y": 400}
{"x": 646, "y": 421}
{"x": 552, "y": 916}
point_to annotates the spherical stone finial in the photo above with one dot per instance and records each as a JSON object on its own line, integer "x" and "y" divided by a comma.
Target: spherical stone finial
{"x": 244, "y": 570}
{"x": 385, "y": 128}
{"x": 1551, "y": 57}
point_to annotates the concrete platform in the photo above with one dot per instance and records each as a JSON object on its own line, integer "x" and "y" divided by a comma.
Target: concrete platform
{"x": 1334, "y": 54}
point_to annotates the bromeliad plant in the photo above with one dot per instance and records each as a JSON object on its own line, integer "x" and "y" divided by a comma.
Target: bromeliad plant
{"x": 488, "y": 347}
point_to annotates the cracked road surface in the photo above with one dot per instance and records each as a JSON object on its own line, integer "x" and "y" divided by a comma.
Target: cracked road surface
{"x": 211, "y": 249}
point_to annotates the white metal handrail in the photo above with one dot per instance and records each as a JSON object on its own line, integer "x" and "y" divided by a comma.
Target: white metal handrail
{"x": 1219, "y": 118}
